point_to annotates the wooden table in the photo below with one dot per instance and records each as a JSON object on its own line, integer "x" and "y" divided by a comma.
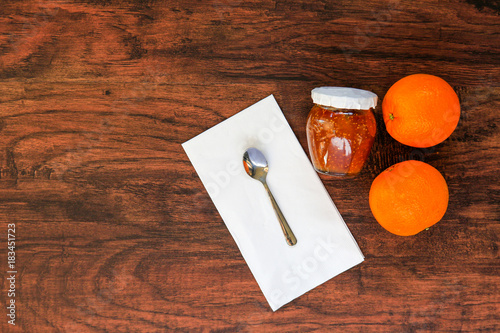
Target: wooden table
{"x": 114, "y": 230}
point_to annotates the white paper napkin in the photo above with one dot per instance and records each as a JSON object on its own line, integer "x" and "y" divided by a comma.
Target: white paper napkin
{"x": 325, "y": 247}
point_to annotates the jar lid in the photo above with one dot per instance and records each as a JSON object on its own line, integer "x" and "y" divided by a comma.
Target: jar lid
{"x": 344, "y": 98}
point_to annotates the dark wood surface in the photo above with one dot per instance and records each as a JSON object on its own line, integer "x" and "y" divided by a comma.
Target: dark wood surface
{"x": 116, "y": 233}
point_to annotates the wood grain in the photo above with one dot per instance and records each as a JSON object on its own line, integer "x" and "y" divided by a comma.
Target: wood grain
{"x": 115, "y": 230}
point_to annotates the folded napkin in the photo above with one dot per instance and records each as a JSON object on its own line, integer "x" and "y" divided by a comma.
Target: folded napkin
{"x": 325, "y": 247}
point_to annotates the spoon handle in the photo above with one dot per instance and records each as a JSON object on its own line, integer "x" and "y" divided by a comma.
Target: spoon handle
{"x": 287, "y": 231}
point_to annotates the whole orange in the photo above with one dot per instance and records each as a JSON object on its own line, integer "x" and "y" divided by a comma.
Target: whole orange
{"x": 408, "y": 197}
{"x": 421, "y": 110}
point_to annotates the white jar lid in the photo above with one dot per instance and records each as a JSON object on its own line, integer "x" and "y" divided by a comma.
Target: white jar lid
{"x": 344, "y": 98}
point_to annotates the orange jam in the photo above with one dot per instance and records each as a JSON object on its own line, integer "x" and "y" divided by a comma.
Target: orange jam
{"x": 340, "y": 139}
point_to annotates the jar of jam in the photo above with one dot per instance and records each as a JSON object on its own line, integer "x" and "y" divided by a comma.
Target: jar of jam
{"x": 341, "y": 129}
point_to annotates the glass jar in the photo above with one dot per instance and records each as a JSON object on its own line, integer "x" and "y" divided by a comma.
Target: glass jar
{"x": 341, "y": 129}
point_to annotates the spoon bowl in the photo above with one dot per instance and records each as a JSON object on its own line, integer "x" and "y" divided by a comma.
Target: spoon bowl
{"x": 255, "y": 164}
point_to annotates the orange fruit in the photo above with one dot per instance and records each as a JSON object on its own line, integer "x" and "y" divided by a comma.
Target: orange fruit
{"x": 421, "y": 110}
{"x": 408, "y": 197}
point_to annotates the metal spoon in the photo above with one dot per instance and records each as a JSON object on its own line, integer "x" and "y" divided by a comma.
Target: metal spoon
{"x": 256, "y": 166}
